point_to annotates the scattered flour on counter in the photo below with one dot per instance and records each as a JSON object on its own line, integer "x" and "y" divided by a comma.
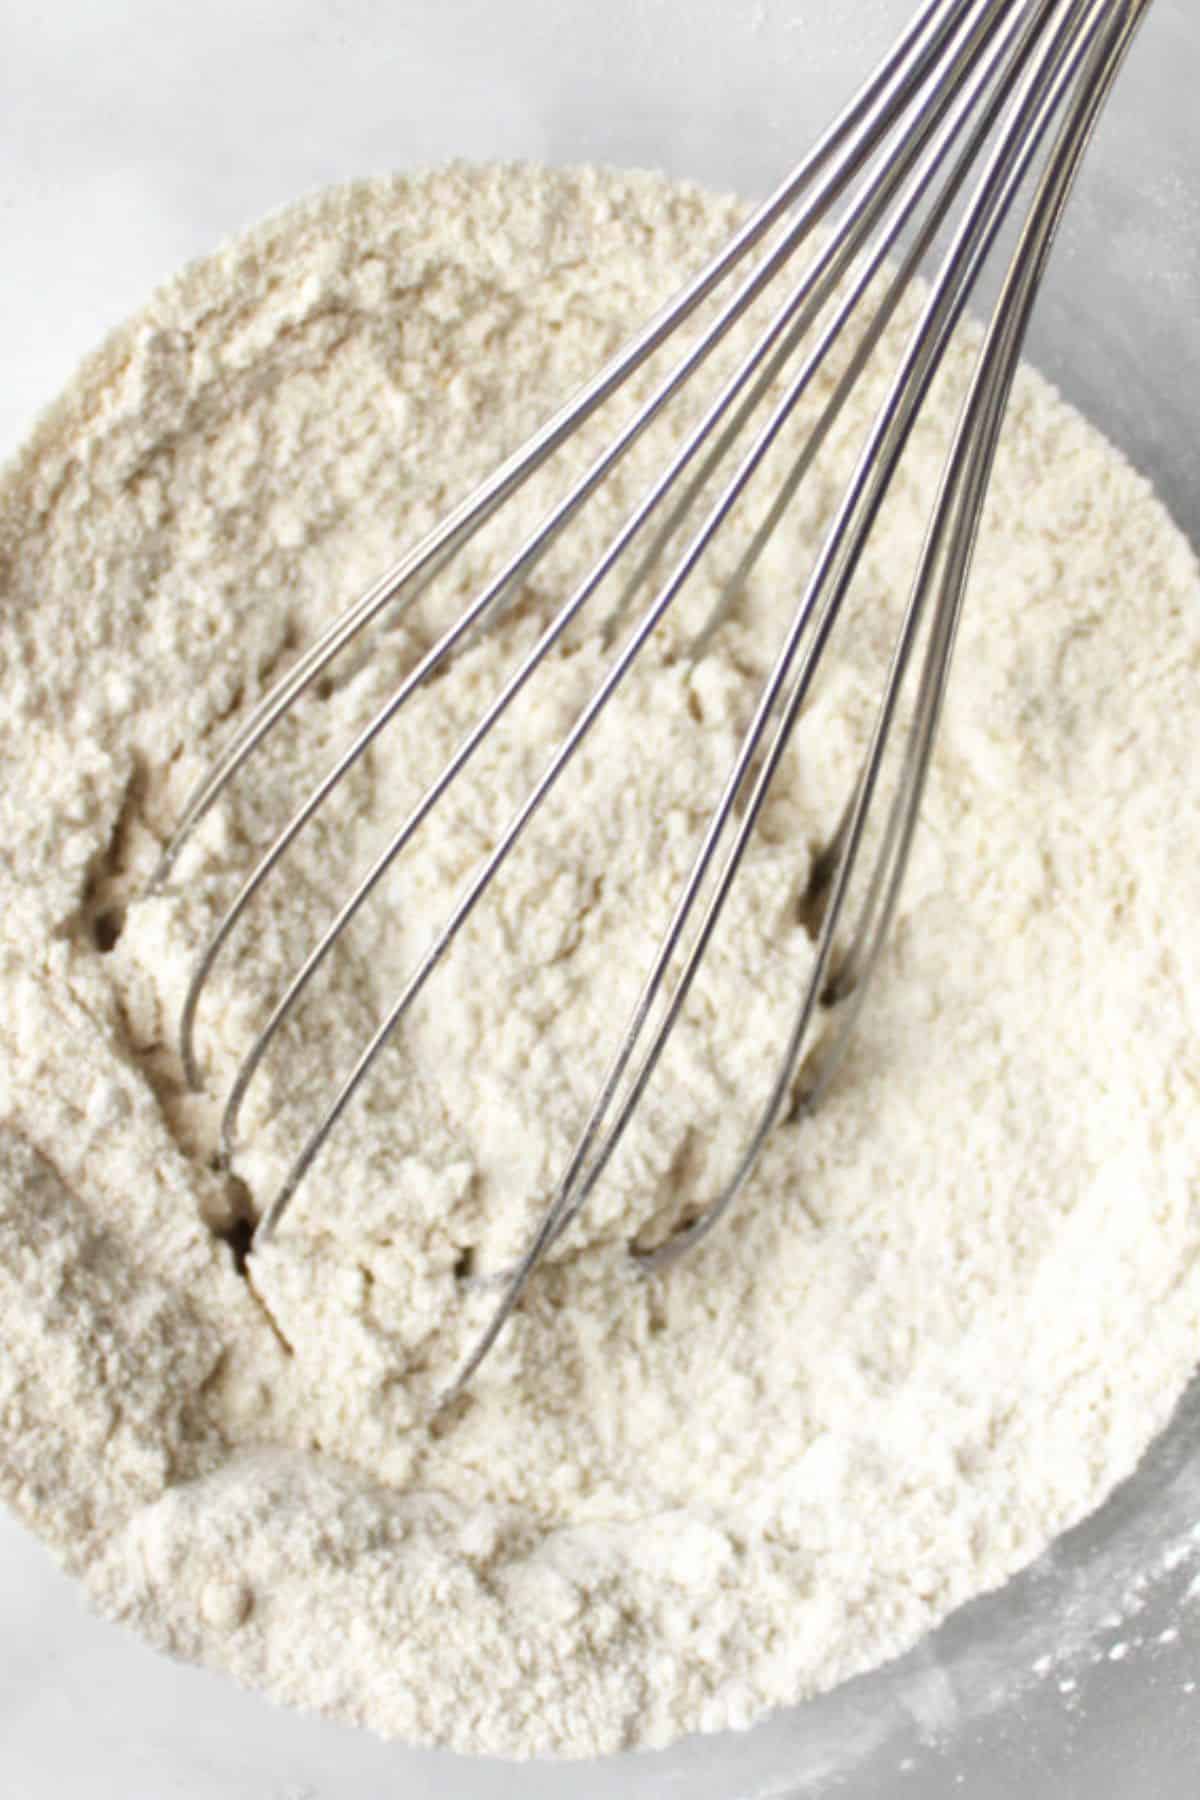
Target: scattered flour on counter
{"x": 950, "y": 1312}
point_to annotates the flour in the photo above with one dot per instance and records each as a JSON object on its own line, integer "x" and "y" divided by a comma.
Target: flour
{"x": 951, "y": 1310}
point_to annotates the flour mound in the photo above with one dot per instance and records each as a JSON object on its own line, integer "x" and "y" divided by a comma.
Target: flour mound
{"x": 949, "y": 1312}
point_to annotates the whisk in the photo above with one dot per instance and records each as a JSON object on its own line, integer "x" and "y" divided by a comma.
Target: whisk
{"x": 924, "y": 165}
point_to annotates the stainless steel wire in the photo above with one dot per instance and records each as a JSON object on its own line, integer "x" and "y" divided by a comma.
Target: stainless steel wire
{"x": 974, "y": 89}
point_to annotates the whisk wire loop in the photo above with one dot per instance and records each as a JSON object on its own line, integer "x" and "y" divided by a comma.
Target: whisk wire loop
{"x": 971, "y": 92}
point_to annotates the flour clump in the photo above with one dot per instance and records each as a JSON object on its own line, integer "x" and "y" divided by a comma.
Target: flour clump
{"x": 952, "y": 1308}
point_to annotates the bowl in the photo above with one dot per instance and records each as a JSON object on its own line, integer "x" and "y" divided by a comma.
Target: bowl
{"x": 135, "y": 137}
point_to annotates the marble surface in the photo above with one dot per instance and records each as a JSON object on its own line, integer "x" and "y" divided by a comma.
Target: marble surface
{"x": 135, "y": 134}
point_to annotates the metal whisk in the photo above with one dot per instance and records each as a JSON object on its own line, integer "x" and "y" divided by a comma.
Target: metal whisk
{"x": 935, "y": 146}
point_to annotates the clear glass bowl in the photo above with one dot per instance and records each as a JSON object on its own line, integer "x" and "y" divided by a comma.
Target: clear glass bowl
{"x": 133, "y": 137}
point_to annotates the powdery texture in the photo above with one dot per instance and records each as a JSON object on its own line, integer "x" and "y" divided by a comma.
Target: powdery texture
{"x": 950, "y": 1311}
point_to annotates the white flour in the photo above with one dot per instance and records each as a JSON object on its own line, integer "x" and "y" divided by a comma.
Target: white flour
{"x": 950, "y": 1312}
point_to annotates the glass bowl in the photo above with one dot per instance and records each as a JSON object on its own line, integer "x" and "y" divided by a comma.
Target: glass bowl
{"x": 134, "y": 137}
